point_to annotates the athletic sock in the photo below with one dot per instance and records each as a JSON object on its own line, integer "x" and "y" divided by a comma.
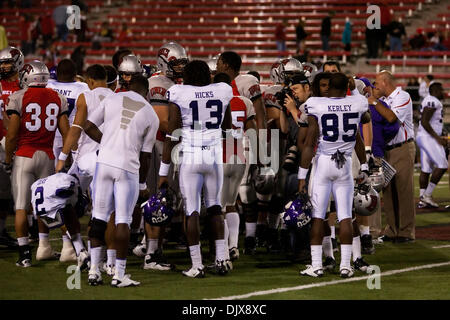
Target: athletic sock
{"x": 356, "y": 248}
{"x": 43, "y": 240}
{"x": 89, "y": 246}
{"x": 333, "y": 232}
{"x": 316, "y": 256}
{"x": 196, "y": 256}
{"x": 111, "y": 257}
{"x": 226, "y": 234}
{"x": 232, "y": 220}
{"x": 23, "y": 241}
{"x": 430, "y": 188}
{"x": 121, "y": 264}
{"x": 220, "y": 249}
{"x": 96, "y": 258}
{"x": 364, "y": 230}
{"x": 77, "y": 243}
{"x": 250, "y": 229}
{"x": 152, "y": 246}
{"x": 422, "y": 191}
{"x": 346, "y": 254}
{"x": 327, "y": 247}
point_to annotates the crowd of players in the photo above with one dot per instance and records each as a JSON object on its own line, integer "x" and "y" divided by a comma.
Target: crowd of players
{"x": 186, "y": 143}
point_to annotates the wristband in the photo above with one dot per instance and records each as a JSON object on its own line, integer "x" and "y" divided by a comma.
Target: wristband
{"x": 364, "y": 167}
{"x": 302, "y": 173}
{"x": 368, "y": 149}
{"x": 164, "y": 169}
{"x": 62, "y": 156}
{"x": 142, "y": 186}
{"x": 77, "y": 126}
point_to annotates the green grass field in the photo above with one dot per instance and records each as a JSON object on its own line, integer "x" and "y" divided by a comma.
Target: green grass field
{"x": 47, "y": 280}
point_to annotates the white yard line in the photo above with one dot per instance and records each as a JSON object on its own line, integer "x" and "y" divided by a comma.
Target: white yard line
{"x": 440, "y": 247}
{"x": 329, "y": 283}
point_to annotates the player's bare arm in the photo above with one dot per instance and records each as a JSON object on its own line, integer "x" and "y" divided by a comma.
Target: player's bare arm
{"x": 386, "y": 113}
{"x": 162, "y": 111}
{"x": 427, "y": 113}
{"x": 93, "y": 131}
{"x": 308, "y": 149}
{"x": 260, "y": 113}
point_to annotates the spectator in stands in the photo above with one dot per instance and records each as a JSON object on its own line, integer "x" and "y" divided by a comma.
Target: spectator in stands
{"x": 425, "y": 84}
{"x": 418, "y": 41}
{"x": 78, "y": 56}
{"x": 347, "y": 35}
{"x": 436, "y": 42}
{"x": 3, "y": 38}
{"x": 47, "y": 28}
{"x": 396, "y": 31}
{"x": 50, "y": 56}
{"x": 125, "y": 34}
{"x": 301, "y": 35}
{"x": 60, "y": 18}
{"x": 385, "y": 20}
{"x": 280, "y": 37}
{"x": 325, "y": 31}
{"x": 105, "y": 35}
{"x": 372, "y": 42}
{"x": 25, "y": 34}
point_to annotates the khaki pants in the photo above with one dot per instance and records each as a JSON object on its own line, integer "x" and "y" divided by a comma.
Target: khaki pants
{"x": 399, "y": 195}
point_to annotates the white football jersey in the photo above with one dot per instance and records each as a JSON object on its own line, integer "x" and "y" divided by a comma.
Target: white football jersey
{"x": 158, "y": 86}
{"x": 129, "y": 128}
{"x": 202, "y": 112}
{"x": 436, "y": 120}
{"x": 338, "y": 120}
{"x": 93, "y": 99}
{"x": 247, "y": 86}
{"x": 50, "y": 194}
{"x": 70, "y": 90}
{"x": 270, "y": 100}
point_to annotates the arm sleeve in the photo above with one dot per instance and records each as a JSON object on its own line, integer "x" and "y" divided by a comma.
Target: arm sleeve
{"x": 13, "y": 105}
{"x": 150, "y": 137}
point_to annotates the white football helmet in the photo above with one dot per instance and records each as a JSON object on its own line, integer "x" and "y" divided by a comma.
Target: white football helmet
{"x": 129, "y": 65}
{"x": 275, "y": 75}
{"x": 14, "y": 56}
{"x": 288, "y": 67}
{"x": 34, "y": 74}
{"x": 365, "y": 200}
{"x": 212, "y": 64}
{"x": 310, "y": 71}
{"x": 171, "y": 60}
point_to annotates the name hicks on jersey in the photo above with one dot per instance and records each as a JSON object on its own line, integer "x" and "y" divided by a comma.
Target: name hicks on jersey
{"x": 339, "y": 108}
{"x": 204, "y": 95}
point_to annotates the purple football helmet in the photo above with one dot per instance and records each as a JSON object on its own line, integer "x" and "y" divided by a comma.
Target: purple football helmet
{"x": 158, "y": 210}
{"x": 298, "y": 212}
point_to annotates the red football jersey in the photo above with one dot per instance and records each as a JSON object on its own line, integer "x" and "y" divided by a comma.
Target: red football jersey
{"x": 8, "y": 88}
{"x": 39, "y": 110}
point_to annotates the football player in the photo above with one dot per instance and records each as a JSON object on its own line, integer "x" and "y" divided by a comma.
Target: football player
{"x": 129, "y": 66}
{"x": 243, "y": 114}
{"x": 11, "y": 61}
{"x": 201, "y": 110}
{"x": 129, "y": 132}
{"x": 432, "y": 145}
{"x": 334, "y": 123}
{"x": 171, "y": 60}
{"x": 35, "y": 112}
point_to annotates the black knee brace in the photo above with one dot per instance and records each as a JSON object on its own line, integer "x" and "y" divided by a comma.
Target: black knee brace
{"x": 98, "y": 229}
{"x": 214, "y": 211}
{"x": 250, "y": 211}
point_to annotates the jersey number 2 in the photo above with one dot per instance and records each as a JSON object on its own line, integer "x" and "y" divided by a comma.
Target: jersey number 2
{"x": 51, "y": 121}
{"x": 39, "y": 201}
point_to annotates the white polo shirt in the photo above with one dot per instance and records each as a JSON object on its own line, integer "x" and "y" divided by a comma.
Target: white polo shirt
{"x": 401, "y": 104}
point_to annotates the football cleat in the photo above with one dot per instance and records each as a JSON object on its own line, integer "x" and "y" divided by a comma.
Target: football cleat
{"x": 312, "y": 272}
{"x": 45, "y": 252}
{"x": 250, "y": 245}
{"x": 221, "y": 268}
{"x": 229, "y": 265}
{"x": 124, "y": 282}
{"x": 367, "y": 246}
{"x": 24, "y": 263}
{"x": 83, "y": 260}
{"x": 427, "y": 199}
{"x": 329, "y": 264}
{"x": 421, "y": 205}
{"x": 234, "y": 254}
{"x": 346, "y": 272}
{"x": 68, "y": 253}
{"x": 94, "y": 278}
{"x": 194, "y": 273}
{"x": 24, "y": 257}
{"x": 7, "y": 240}
{"x": 156, "y": 261}
{"x": 109, "y": 269}
{"x": 140, "y": 250}
{"x": 360, "y": 264}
